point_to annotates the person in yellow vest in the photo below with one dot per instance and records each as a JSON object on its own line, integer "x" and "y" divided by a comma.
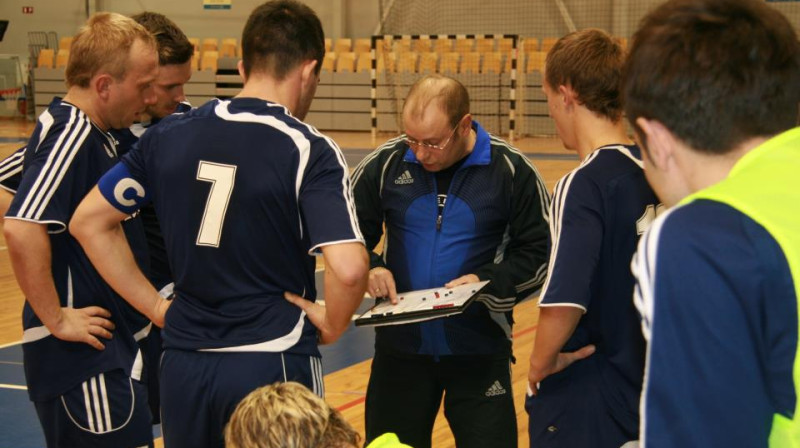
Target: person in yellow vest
{"x": 712, "y": 91}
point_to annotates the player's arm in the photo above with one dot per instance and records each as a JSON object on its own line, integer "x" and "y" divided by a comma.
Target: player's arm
{"x": 556, "y": 325}
{"x": 346, "y": 267}
{"x": 29, "y": 249}
{"x": 523, "y": 268}
{"x": 96, "y": 226}
{"x": 5, "y": 202}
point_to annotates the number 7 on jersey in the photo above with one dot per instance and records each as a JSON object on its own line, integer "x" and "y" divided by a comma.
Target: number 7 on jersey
{"x": 222, "y": 178}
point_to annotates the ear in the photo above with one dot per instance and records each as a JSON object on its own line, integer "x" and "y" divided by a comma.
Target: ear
{"x": 240, "y": 68}
{"x": 567, "y": 96}
{"x": 102, "y": 85}
{"x": 308, "y": 71}
{"x": 658, "y": 142}
{"x": 466, "y": 123}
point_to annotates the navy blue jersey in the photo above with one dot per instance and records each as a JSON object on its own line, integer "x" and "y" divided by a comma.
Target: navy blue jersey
{"x": 245, "y": 194}
{"x": 719, "y": 311}
{"x": 66, "y": 156}
{"x": 11, "y": 170}
{"x": 598, "y": 212}
{"x": 160, "y": 273}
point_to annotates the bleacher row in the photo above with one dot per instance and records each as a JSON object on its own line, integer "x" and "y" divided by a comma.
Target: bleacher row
{"x": 343, "y": 99}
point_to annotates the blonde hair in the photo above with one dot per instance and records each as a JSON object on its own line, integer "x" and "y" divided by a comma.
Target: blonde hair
{"x": 103, "y": 45}
{"x": 287, "y": 415}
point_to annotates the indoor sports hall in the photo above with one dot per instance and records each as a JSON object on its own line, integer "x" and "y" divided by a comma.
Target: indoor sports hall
{"x": 375, "y": 50}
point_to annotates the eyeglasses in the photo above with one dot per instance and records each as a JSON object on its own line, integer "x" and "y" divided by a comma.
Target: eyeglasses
{"x": 440, "y": 147}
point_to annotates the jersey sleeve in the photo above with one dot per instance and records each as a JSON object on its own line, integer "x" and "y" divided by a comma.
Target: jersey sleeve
{"x": 11, "y": 170}
{"x": 326, "y": 198}
{"x": 719, "y": 313}
{"x": 576, "y": 226}
{"x": 55, "y": 174}
{"x": 124, "y": 185}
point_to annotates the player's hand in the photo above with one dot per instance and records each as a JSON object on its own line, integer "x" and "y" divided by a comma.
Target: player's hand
{"x": 463, "y": 280}
{"x": 83, "y": 325}
{"x": 317, "y": 315}
{"x": 563, "y": 360}
{"x": 381, "y": 284}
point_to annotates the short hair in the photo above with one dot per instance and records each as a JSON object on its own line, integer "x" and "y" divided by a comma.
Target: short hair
{"x": 287, "y": 415}
{"x": 279, "y": 35}
{"x": 443, "y": 91}
{"x": 590, "y": 62}
{"x": 173, "y": 46}
{"x": 714, "y": 72}
{"x": 103, "y": 45}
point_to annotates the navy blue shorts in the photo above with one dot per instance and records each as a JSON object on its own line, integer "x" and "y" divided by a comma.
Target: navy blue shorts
{"x": 575, "y": 409}
{"x": 106, "y": 411}
{"x": 200, "y": 390}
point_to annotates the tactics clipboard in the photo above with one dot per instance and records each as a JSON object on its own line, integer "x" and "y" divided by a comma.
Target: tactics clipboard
{"x": 422, "y": 305}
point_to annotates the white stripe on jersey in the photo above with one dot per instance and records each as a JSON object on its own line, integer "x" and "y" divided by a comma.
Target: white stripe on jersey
{"x": 46, "y": 120}
{"x": 359, "y": 170}
{"x": 347, "y": 191}
{"x": 34, "y": 334}
{"x": 304, "y": 148}
{"x": 540, "y": 186}
{"x": 280, "y": 344}
{"x": 12, "y": 165}
{"x": 58, "y": 162}
{"x": 643, "y": 266}
{"x": 96, "y": 404}
{"x": 560, "y": 194}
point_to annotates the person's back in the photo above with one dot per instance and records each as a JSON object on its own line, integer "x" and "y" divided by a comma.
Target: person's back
{"x": 237, "y": 241}
{"x": 599, "y": 210}
{"x": 717, "y": 275}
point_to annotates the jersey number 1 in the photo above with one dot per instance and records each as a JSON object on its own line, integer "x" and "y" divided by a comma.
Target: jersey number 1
{"x": 222, "y": 178}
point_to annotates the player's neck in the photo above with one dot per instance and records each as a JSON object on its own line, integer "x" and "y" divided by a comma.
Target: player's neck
{"x": 704, "y": 170}
{"x": 87, "y": 103}
{"x": 283, "y": 92}
{"x": 602, "y": 132}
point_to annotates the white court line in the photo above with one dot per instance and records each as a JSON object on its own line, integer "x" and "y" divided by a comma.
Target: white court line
{"x": 11, "y": 363}
{"x": 12, "y": 386}
{"x": 10, "y": 344}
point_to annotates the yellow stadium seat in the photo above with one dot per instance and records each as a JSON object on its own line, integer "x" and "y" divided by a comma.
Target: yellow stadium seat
{"x": 464, "y": 45}
{"x": 493, "y": 62}
{"x": 346, "y": 62}
{"x": 484, "y": 45}
{"x": 209, "y": 60}
{"x": 536, "y": 61}
{"x": 64, "y": 43}
{"x": 362, "y": 46}
{"x": 471, "y": 62}
{"x": 210, "y": 44}
{"x": 547, "y": 43}
{"x": 227, "y": 48}
{"x": 449, "y": 62}
{"x": 407, "y": 62}
{"x": 61, "y": 58}
{"x": 363, "y": 62}
{"x": 46, "y": 58}
{"x": 442, "y": 46}
{"x": 343, "y": 45}
{"x": 329, "y": 61}
{"x": 428, "y": 62}
{"x": 421, "y": 45}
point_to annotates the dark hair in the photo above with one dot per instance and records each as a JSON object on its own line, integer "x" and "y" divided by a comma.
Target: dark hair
{"x": 279, "y": 35}
{"x": 173, "y": 46}
{"x": 590, "y": 62}
{"x": 714, "y": 72}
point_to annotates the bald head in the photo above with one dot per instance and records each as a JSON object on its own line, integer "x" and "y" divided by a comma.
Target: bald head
{"x": 436, "y": 93}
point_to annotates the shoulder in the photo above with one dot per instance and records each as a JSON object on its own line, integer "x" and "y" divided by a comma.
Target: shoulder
{"x": 392, "y": 151}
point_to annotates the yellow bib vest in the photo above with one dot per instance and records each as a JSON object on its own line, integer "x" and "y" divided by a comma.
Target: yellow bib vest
{"x": 765, "y": 185}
